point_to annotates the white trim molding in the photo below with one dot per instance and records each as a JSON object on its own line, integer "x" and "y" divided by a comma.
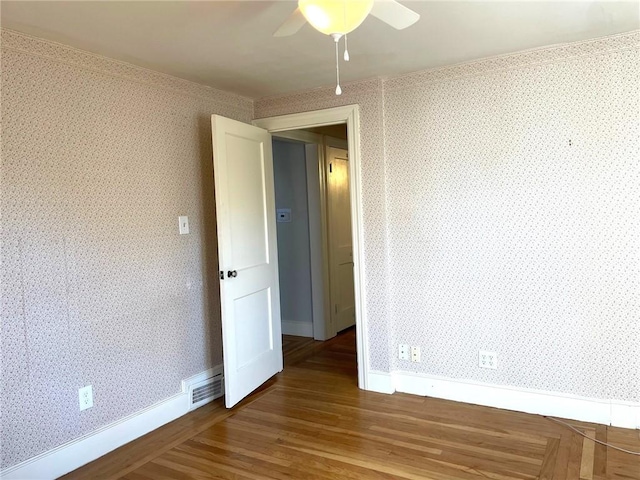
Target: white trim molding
{"x": 79, "y": 452}
{"x": 187, "y": 383}
{"x": 298, "y": 329}
{"x": 381, "y": 382}
{"x": 318, "y": 243}
{"x": 299, "y": 136}
{"x": 349, "y": 114}
{"x": 539, "y": 402}
{"x": 76, "y": 453}
{"x": 625, "y": 414}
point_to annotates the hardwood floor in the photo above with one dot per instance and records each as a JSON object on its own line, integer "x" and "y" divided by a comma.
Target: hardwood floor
{"x": 312, "y": 422}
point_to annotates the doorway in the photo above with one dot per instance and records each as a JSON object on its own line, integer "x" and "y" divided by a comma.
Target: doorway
{"x": 315, "y": 251}
{"x": 349, "y": 115}
{"x": 247, "y": 239}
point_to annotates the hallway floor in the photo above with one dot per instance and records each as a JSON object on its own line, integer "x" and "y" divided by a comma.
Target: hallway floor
{"x": 312, "y": 422}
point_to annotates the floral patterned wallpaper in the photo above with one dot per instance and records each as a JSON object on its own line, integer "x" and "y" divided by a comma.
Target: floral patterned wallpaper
{"x": 502, "y": 214}
{"x": 514, "y": 218}
{"x": 99, "y": 158}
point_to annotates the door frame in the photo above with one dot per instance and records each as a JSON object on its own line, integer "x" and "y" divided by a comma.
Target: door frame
{"x": 332, "y": 247}
{"x": 349, "y": 114}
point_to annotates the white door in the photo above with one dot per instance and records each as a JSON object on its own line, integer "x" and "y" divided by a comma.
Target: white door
{"x": 343, "y": 308}
{"x": 247, "y": 256}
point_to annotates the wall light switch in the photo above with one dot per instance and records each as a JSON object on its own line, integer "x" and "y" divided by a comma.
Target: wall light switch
{"x": 183, "y": 225}
{"x": 85, "y": 396}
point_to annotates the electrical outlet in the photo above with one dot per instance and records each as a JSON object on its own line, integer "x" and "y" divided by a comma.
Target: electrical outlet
{"x": 487, "y": 359}
{"x": 415, "y": 354}
{"x": 403, "y": 351}
{"x": 85, "y": 395}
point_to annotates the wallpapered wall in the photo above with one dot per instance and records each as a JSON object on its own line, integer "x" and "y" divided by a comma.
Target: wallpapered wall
{"x": 98, "y": 160}
{"x": 483, "y": 227}
{"x": 514, "y": 220}
{"x": 512, "y": 217}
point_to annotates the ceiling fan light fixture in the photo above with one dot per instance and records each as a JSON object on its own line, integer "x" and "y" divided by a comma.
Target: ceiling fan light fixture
{"x": 335, "y": 16}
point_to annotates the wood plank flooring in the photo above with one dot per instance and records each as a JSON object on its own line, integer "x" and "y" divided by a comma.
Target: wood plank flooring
{"x": 312, "y": 422}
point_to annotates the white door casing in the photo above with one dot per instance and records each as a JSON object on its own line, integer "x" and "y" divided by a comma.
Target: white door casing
{"x": 247, "y": 256}
{"x": 341, "y": 246}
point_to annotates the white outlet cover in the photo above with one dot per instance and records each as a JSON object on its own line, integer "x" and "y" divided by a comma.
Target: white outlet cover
{"x": 403, "y": 351}
{"x": 85, "y": 396}
{"x": 183, "y": 225}
{"x": 415, "y": 354}
{"x": 487, "y": 359}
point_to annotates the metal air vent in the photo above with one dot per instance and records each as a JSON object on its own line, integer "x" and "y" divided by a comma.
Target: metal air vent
{"x": 206, "y": 391}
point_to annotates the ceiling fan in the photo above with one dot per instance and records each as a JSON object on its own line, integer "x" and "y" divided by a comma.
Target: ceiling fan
{"x": 389, "y": 11}
{"x": 337, "y": 18}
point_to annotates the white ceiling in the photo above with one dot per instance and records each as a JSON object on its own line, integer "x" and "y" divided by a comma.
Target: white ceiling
{"x": 229, "y": 45}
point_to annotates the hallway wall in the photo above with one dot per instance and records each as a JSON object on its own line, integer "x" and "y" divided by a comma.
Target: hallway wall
{"x": 294, "y": 257}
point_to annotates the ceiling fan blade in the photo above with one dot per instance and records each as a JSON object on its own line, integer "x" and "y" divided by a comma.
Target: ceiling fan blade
{"x": 291, "y": 25}
{"x": 394, "y": 14}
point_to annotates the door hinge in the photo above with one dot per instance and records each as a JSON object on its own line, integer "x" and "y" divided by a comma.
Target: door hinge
{"x": 221, "y": 275}
{"x": 331, "y": 168}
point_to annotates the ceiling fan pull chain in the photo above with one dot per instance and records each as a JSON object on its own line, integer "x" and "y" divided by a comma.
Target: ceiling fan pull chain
{"x": 344, "y": 18}
{"x": 338, "y": 89}
{"x": 346, "y": 49}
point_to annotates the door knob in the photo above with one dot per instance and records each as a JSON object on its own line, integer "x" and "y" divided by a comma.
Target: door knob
{"x": 232, "y": 274}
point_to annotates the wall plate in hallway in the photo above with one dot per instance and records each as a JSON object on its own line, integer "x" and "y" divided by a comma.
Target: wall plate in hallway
{"x": 283, "y": 215}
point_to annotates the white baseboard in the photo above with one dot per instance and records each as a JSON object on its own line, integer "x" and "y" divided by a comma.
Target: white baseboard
{"x": 607, "y": 412}
{"x": 626, "y": 415}
{"x": 79, "y": 452}
{"x": 74, "y": 454}
{"x": 201, "y": 377}
{"x": 299, "y": 329}
{"x": 380, "y": 382}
